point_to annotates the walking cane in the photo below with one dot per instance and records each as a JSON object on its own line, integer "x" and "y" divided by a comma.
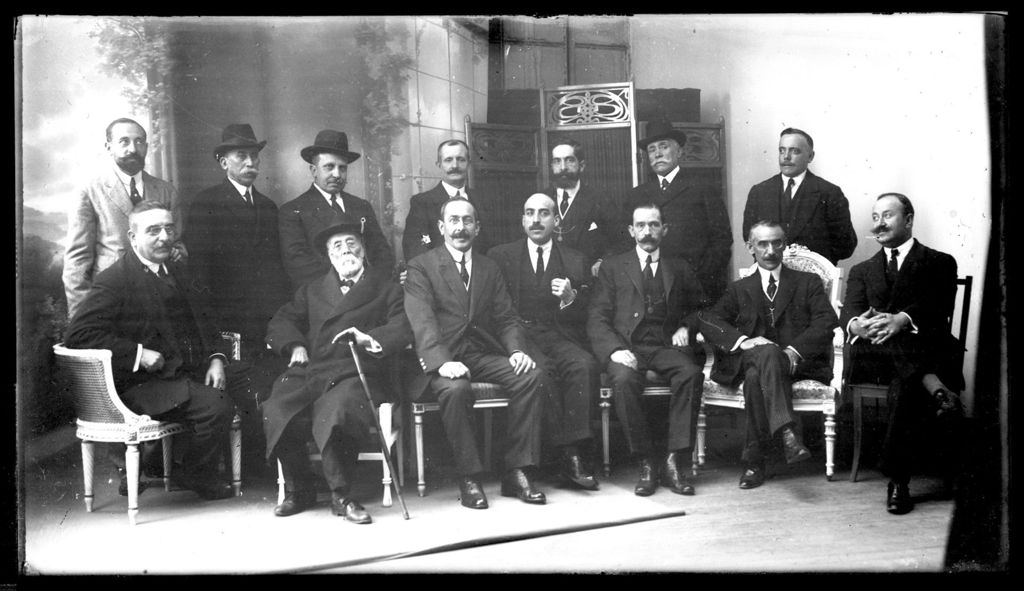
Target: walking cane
{"x": 376, "y": 418}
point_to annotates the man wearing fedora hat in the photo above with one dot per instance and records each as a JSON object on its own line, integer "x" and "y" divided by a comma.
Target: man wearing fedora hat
{"x": 235, "y": 253}
{"x": 700, "y": 224}
{"x": 310, "y": 331}
{"x": 324, "y": 205}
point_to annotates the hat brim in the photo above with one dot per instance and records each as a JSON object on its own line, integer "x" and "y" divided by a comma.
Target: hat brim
{"x": 224, "y": 148}
{"x": 309, "y": 151}
{"x": 676, "y": 135}
{"x": 345, "y": 228}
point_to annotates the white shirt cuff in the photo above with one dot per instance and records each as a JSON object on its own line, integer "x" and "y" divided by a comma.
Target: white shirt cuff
{"x": 795, "y": 351}
{"x": 138, "y": 359}
{"x": 737, "y": 345}
{"x": 374, "y": 346}
{"x": 913, "y": 327}
{"x": 562, "y": 305}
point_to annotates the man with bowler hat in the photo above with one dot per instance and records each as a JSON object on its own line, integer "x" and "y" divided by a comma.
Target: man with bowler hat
{"x": 324, "y": 205}
{"x": 236, "y": 254}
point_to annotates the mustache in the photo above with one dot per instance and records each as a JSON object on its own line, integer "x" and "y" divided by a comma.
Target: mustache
{"x": 536, "y": 227}
{"x": 648, "y": 240}
{"x": 460, "y": 234}
{"x": 454, "y": 170}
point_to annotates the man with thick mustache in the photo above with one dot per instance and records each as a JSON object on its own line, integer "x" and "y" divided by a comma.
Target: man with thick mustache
{"x": 321, "y": 390}
{"x": 771, "y": 329}
{"x": 168, "y": 360}
{"x": 587, "y": 216}
{"x": 813, "y": 212}
{"x": 700, "y": 224}
{"x": 325, "y": 204}
{"x": 896, "y": 315}
{"x": 467, "y": 329}
{"x": 236, "y": 253}
{"x": 98, "y": 219}
{"x": 421, "y": 232}
{"x": 550, "y": 288}
{"x": 642, "y": 315}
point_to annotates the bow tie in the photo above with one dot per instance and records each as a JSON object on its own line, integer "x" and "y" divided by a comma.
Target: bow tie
{"x": 347, "y": 283}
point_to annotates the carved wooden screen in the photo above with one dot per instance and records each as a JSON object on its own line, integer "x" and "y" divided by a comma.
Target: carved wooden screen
{"x": 505, "y": 171}
{"x": 602, "y": 118}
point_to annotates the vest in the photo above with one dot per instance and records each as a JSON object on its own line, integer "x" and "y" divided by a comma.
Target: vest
{"x": 536, "y": 302}
{"x": 651, "y": 330}
{"x": 185, "y": 343}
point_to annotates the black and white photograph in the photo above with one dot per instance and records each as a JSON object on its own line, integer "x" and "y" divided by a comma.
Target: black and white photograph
{"x": 487, "y": 294}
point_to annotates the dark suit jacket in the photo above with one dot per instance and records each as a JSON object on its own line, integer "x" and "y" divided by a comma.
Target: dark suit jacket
{"x": 592, "y": 225}
{"x": 698, "y": 224}
{"x": 317, "y": 313}
{"x": 925, "y": 289}
{"x": 422, "y": 221}
{"x": 819, "y": 215}
{"x": 302, "y": 218}
{"x": 124, "y": 309}
{"x": 617, "y": 304}
{"x": 570, "y": 322}
{"x": 234, "y": 249}
{"x": 448, "y": 320}
{"x": 804, "y": 320}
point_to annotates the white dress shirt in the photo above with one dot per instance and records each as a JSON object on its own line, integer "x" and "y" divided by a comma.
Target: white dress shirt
{"x": 453, "y": 191}
{"x": 668, "y": 177}
{"x": 243, "y": 191}
{"x": 797, "y": 180}
{"x": 571, "y": 191}
{"x": 655, "y": 259}
{"x": 127, "y": 181}
{"x": 328, "y": 196}
{"x": 457, "y": 256}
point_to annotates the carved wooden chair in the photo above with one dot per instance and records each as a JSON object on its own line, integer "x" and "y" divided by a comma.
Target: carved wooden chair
{"x": 103, "y": 417}
{"x": 808, "y": 395}
{"x": 860, "y": 391}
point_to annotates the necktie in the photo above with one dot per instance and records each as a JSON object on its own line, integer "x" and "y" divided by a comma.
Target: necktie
{"x": 336, "y": 204}
{"x": 134, "y": 191}
{"x": 648, "y": 270}
{"x": 463, "y": 272}
{"x": 563, "y": 206}
{"x": 540, "y": 264}
{"x": 248, "y": 197}
{"x": 771, "y": 287}
{"x": 893, "y": 268}
{"x": 787, "y": 199}
{"x": 458, "y": 194}
{"x": 788, "y": 195}
{"x": 664, "y": 184}
{"x": 161, "y": 272}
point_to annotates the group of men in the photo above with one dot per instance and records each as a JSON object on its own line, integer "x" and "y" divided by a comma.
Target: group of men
{"x": 596, "y": 285}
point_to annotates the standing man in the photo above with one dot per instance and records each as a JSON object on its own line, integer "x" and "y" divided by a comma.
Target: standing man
{"x": 771, "y": 329}
{"x": 588, "y": 217}
{"x": 351, "y": 301}
{"x": 897, "y": 314}
{"x": 641, "y": 317}
{"x": 466, "y": 328}
{"x": 549, "y": 286}
{"x": 98, "y": 221}
{"x": 421, "y": 232}
{"x": 813, "y": 212}
{"x": 167, "y": 361}
{"x": 700, "y": 225}
{"x": 236, "y": 253}
{"x": 324, "y": 205}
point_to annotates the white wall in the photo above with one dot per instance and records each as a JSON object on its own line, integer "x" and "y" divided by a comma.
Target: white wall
{"x": 894, "y": 103}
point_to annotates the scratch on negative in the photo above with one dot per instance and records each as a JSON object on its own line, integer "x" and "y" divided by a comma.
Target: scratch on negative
{"x": 63, "y": 518}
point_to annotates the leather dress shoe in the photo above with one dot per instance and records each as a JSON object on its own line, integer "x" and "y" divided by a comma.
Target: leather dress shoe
{"x": 208, "y": 490}
{"x": 349, "y": 509}
{"x": 295, "y": 502}
{"x": 674, "y": 479}
{"x": 795, "y": 450}
{"x": 647, "y": 483}
{"x": 897, "y": 500}
{"x": 575, "y": 472}
{"x": 471, "y": 494}
{"x": 753, "y": 476}
{"x": 517, "y": 484}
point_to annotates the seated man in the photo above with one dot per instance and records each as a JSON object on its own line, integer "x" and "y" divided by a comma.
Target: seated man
{"x": 466, "y": 328}
{"x": 771, "y": 329}
{"x": 640, "y": 319}
{"x": 167, "y": 356}
{"x": 547, "y": 282}
{"x": 349, "y": 301}
{"x": 896, "y": 316}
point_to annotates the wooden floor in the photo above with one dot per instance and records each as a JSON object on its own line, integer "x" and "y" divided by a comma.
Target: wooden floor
{"x": 797, "y": 522}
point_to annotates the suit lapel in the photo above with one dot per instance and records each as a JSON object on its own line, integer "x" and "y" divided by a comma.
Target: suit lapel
{"x": 804, "y": 203}
{"x": 784, "y": 294}
{"x": 117, "y": 194}
{"x": 906, "y": 270}
{"x": 514, "y": 267}
{"x": 323, "y": 212}
{"x": 151, "y": 300}
{"x": 359, "y": 294}
{"x": 450, "y": 272}
{"x": 634, "y": 272}
{"x": 668, "y": 276}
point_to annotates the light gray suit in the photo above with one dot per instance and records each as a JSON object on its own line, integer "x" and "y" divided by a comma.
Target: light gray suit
{"x": 98, "y": 228}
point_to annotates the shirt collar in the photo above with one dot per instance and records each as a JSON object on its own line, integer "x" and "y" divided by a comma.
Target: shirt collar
{"x": 642, "y": 255}
{"x": 903, "y": 248}
{"x": 154, "y": 267}
{"x": 797, "y": 180}
{"x": 457, "y": 254}
{"x": 242, "y": 189}
{"x": 765, "y": 273}
{"x": 670, "y": 176}
{"x": 355, "y": 279}
{"x": 123, "y": 176}
{"x": 326, "y": 195}
{"x": 531, "y": 246}
{"x": 452, "y": 190}
{"x": 571, "y": 191}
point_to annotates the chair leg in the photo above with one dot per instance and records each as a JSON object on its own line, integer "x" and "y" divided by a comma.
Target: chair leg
{"x": 858, "y": 426}
{"x": 421, "y": 484}
{"x": 168, "y": 462}
{"x": 131, "y": 465}
{"x": 488, "y": 432}
{"x": 702, "y": 428}
{"x": 386, "y": 481}
{"x": 88, "y": 451}
{"x": 830, "y": 444}
{"x": 605, "y": 433}
{"x": 280, "y": 483}
{"x": 236, "y": 455}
